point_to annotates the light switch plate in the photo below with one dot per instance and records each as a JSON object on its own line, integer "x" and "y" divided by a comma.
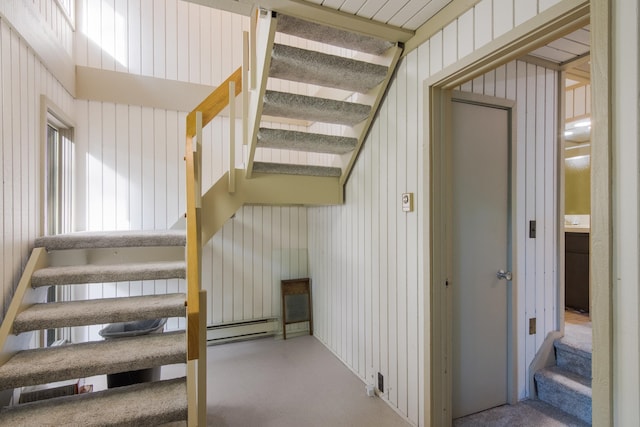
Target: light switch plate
{"x": 407, "y": 202}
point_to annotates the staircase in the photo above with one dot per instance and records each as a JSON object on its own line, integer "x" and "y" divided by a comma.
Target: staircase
{"x": 345, "y": 93}
{"x": 328, "y": 115}
{"x": 90, "y": 258}
{"x": 567, "y": 385}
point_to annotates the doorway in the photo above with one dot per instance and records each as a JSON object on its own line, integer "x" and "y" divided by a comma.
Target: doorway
{"x": 482, "y": 244}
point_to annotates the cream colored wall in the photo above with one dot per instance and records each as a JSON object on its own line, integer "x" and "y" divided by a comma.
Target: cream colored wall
{"x": 367, "y": 258}
{"x": 23, "y": 78}
{"x": 172, "y": 39}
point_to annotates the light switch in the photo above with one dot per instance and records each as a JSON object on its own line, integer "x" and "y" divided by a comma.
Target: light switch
{"x": 407, "y": 202}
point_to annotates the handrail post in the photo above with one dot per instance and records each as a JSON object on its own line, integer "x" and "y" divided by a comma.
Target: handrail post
{"x": 254, "y": 28}
{"x": 232, "y": 137}
{"x": 245, "y": 93}
{"x": 198, "y": 163}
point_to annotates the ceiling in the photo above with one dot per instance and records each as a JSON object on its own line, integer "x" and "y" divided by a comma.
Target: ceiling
{"x": 407, "y": 14}
{"x": 570, "y": 53}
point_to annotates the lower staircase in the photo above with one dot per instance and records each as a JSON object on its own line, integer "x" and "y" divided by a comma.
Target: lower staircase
{"x": 567, "y": 385}
{"x": 92, "y": 258}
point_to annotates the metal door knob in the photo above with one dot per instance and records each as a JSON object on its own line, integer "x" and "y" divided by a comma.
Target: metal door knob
{"x": 504, "y": 275}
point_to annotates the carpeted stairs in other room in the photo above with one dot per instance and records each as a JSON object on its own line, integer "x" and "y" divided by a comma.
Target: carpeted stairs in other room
{"x": 567, "y": 385}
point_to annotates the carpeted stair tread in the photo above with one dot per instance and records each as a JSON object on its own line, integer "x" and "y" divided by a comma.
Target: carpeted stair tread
{"x": 333, "y": 36}
{"x": 578, "y": 337}
{"x": 147, "y": 404}
{"x": 301, "y": 107}
{"x": 565, "y": 390}
{"x": 291, "y": 169}
{"x": 573, "y": 359}
{"x": 99, "y": 311}
{"x": 305, "y": 141}
{"x": 42, "y": 366}
{"x": 112, "y": 239}
{"x": 98, "y": 273}
{"x": 321, "y": 69}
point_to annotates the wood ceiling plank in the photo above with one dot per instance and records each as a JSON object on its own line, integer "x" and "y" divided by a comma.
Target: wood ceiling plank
{"x": 569, "y": 46}
{"x": 371, "y": 7}
{"x": 433, "y": 7}
{"x": 333, "y": 4}
{"x": 581, "y": 36}
{"x": 552, "y": 54}
{"x": 352, "y": 6}
{"x": 389, "y": 10}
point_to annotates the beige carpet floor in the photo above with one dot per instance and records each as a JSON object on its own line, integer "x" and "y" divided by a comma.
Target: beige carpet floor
{"x": 297, "y": 382}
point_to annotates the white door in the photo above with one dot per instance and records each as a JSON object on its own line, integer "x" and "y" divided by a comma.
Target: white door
{"x": 480, "y": 170}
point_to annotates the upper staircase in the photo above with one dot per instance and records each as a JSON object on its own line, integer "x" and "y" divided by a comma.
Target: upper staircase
{"x": 333, "y": 107}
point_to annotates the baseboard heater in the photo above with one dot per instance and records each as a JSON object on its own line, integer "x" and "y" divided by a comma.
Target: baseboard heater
{"x": 248, "y": 329}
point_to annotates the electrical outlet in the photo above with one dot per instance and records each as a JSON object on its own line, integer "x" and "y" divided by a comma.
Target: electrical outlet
{"x": 380, "y": 383}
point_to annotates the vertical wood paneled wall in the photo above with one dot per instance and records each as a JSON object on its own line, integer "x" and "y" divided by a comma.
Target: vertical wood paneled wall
{"x": 170, "y": 39}
{"x": 60, "y": 17}
{"x": 367, "y": 258}
{"x": 131, "y": 176}
{"x": 23, "y": 78}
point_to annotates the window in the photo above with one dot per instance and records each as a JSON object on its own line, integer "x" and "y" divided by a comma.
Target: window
{"x": 58, "y": 185}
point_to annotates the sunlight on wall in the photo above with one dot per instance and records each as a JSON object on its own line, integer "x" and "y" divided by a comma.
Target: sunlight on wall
{"x": 108, "y": 208}
{"x": 107, "y": 29}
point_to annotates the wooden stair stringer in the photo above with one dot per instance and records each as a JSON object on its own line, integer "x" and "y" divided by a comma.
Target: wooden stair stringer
{"x": 362, "y": 130}
{"x": 218, "y": 205}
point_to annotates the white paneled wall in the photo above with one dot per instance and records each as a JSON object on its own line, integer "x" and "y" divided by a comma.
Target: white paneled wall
{"x": 131, "y": 176}
{"x": 23, "y": 78}
{"x": 247, "y": 259}
{"x": 171, "y": 39}
{"x": 59, "y": 16}
{"x": 366, "y": 257}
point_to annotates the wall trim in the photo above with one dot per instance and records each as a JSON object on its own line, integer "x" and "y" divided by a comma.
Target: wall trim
{"x": 601, "y": 263}
{"x": 555, "y": 22}
{"x": 94, "y": 84}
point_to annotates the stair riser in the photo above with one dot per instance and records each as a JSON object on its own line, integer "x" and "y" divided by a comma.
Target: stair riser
{"x": 564, "y": 398}
{"x": 574, "y": 362}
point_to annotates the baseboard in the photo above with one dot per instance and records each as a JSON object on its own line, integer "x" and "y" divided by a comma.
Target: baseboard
{"x": 237, "y": 331}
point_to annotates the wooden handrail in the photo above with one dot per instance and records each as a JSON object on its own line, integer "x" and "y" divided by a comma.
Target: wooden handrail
{"x": 214, "y": 103}
{"x": 196, "y": 297}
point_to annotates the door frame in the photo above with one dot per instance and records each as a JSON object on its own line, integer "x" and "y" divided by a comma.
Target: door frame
{"x": 509, "y": 106}
{"x": 547, "y": 26}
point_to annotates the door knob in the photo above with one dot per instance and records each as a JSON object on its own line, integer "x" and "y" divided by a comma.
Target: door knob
{"x": 504, "y": 275}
